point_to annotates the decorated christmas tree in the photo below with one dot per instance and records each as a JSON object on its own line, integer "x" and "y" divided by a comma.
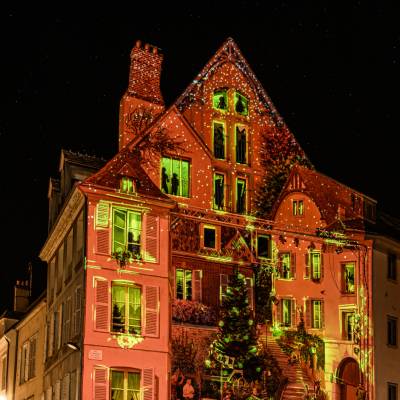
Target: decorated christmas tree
{"x": 236, "y": 343}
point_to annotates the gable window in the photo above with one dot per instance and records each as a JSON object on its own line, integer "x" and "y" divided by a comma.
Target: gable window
{"x": 127, "y": 185}
{"x": 298, "y": 207}
{"x": 392, "y": 391}
{"x": 348, "y": 325}
{"x": 240, "y": 196}
{"x": 285, "y": 266}
{"x": 175, "y": 176}
{"x": 126, "y": 309}
{"x": 241, "y": 144}
{"x": 263, "y": 246}
{"x": 127, "y": 227}
{"x": 125, "y": 385}
{"x": 348, "y": 277}
{"x": 316, "y": 310}
{"x": 210, "y": 237}
{"x": 392, "y": 331}
{"x": 220, "y": 100}
{"x": 219, "y": 137}
{"x": 392, "y": 267}
{"x": 241, "y": 104}
{"x": 219, "y": 189}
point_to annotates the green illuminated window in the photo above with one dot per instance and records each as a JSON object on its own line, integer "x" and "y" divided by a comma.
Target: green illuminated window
{"x": 125, "y": 385}
{"x": 220, "y": 100}
{"x": 287, "y": 308}
{"x": 315, "y": 260}
{"x": 209, "y": 237}
{"x": 347, "y": 325}
{"x": 286, "y": 272}
{"x": 219, "y": 189}
{"x": 240, "y": 196}
{"x": 219, "y": 137}
{"x": 298, "y": 207}
{"x": 264, "y": 246}
{"x": 241, "y": 144}
{"x": 183, "y": 281}
{"x": 127, "y": 185}
{"x": 348, "y": 277}
{"x": 126, "y": 309}
{"x": 175, "y": 176}
{"x": 127, "y": 226}
{"x": 316, "y": 309}
{"x": 241, "y": 104}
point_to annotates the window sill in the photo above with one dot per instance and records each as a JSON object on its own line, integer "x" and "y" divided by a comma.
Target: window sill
{"x": 392, "y": 346}
{"x": 286, "y": 279}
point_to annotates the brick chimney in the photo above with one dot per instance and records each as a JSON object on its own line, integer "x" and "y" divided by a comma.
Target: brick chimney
{"x": 143, "y": 96}
{"x": 21, "y": 296}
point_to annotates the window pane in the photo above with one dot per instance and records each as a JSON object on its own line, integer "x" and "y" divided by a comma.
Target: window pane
{"x": 119, "y": 239}
{"x": 134, "y": 230}
{"x": 241, "y": 104}
{"x": 188, "y": 284}
{"x": 220, "y": 100}
{"x": 316, "y": 314}
{"x": 348, "y": 278}
{"x": 241, "y": 196}
{"x": 316, "y": 265}
{"x": 117, "y": 385}
{"x": 209, "y": 238}
{"x": 263, "y": 246}
{"x": 241, "y": 143}
{"x": 300, "y": 204}
{"x": 118, "y": 309}
{"x": 286, "y": 312}
{"x": 219, "y": 191}
{"x": 294, "y": 207}
{"x": 134, "y": 310}
{"x": 185, "y": 178}
{"x": 286, "y": 265}
{"x": 219, "y": 140}
{"x": 166, "y": 174}
{"x": 179, "y": 284}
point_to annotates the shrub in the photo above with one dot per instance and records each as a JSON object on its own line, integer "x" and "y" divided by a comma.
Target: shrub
{"x": 193, "y": 312}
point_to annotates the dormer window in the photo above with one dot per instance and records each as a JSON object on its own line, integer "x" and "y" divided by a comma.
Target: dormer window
{"x": 220, "y": 100}
{"x": 241, "y": 104}
{"x": 127, "y": 185}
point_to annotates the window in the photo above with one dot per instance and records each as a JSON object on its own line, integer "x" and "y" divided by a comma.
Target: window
{"x": 209, "y": 237}
{"x": 60, "y": 267}
{"x": 392, "y": 391}
{"x": 392, "y": 331}
{"x": 316, "y": 310}
{"x": 184, "y": 284}
{"x": 127, "y": 185}
{"x": 298, "y": 207}
{"x": 287, "y": 309}
{"x": 219, "y": 136}
{"x": 77, "y": 310}
{"x": 78, "y": 240}
{"x": 285, "y": 261}
{"x": 3, "y": 366}
{"x": 241, "y": 104}
{"x": 264, "y": 246}
{"x": 219, "y": 189}
{"x": 69, "y": 252}
{"x": 348, "y": 325}
{"x": 392, "y": 267}
{"x": 125, "y": 385}
{"x": 127, "y": 227}
{"x": 348, "y": 277}
{"x": 28, "y": 360}
{"x": 175, "y": 176}
{"x": 241, "y": 144}
{"x": 220, "y": 100}
{"x": 126, "y": 309}
{"x": 315, "y": 264}
{"x": 240, "y": 196}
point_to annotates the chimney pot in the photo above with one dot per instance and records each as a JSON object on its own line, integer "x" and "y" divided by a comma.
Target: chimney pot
{"x": 138, "y": 43}
{"x": 146, "y": 47}
{"x": 155, "y": 50}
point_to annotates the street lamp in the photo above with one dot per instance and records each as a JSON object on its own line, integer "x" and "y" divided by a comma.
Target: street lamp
{"x": 72, "y": 346}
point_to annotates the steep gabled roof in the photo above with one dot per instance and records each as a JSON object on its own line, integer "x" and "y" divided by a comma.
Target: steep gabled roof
{"x": 339, "y": 205}
{"x": 126, "y": 163}
{"x": 84, "y": 160}
{"x": 229, "y": 52}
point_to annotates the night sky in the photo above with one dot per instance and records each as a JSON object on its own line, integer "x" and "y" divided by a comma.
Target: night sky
{"x": 332, "y": 73}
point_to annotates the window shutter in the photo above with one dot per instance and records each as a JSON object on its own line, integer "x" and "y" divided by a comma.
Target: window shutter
{"x": 151, "y": 240}
{"x": 308, "y": 314}
{"x": 279, "y": 311}
{"x": 152, "y": 305}
{"x": 197, "y": 289}
{"x": 101, "y": 317}
{"x": 307, "y": 265}
{"x": 32, "y": 358}
{"x": 322, "y": 314}
{"x": 102, "y": 241}
{"x": 65, "y": 388}
{"x": 78, "y": 308}
{"x": 322, "y": 265}
{"x": 102, "y": 214}
{"x": 293, "y": 264}
{"x": 100, "y": 384}
{"x": 293, "y": 312}
{"x": 249, "y": 287}
{"x": 147, "y": 384}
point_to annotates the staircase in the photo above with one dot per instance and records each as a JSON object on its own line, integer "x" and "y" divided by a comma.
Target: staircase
{"x": 297, "y": 378}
